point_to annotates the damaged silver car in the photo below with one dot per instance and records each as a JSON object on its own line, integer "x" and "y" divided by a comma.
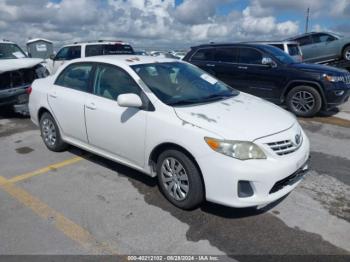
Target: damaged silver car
{"x": 17, "y": 73}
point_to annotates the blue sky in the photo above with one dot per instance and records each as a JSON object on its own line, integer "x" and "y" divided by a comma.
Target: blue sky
{"x": 168, "y": 23}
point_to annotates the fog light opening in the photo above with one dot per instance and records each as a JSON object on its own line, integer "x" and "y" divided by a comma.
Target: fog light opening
{"x": 339, "y": 93}
{"x": 245, "y": 189}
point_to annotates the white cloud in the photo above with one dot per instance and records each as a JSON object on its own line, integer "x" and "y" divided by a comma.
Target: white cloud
{"x": 150, "y": 23}
{"x": 267, "y": 24}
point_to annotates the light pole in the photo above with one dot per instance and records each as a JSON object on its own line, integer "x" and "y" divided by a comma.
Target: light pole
{"x": 307, "y": 20}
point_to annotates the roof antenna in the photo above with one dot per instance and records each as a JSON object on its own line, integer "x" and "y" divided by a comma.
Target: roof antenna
{"x": 307, "y": 20}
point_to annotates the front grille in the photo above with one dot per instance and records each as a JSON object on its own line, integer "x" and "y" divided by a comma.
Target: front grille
{"x": 284, "y": 147}
{"x": 347, "y": 79}
{"x": 290, "y": 180}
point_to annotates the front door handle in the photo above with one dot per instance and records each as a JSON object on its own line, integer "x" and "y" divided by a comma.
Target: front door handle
{"x": 91, "y": 106}
{"x": 243, "y": 67}
{"x": 210, "y": 65}
{"x": 53, "y": 95}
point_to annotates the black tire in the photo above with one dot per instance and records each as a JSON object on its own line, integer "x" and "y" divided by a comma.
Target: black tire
{"x": 195, "y": 193}
{"x": 55, "y": 143}
{"x": 305, "y": 94}
{"x": 346, "y": 53}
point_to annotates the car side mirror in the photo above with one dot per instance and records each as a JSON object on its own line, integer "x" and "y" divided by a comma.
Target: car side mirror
{"x": 268, "y": 62}
{"x": 129, "y": 100}
{"x": 52, "y": 57}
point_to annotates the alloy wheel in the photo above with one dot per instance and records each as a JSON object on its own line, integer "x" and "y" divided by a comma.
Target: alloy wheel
{"x": 347, "y": 55}
{"x": 174, "y": 178}
{"x": 303, "y": 101}
{"x": 49, "y": 132}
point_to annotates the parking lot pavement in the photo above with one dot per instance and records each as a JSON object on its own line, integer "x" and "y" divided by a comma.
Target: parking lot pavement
{"x": 78, "y": 203}
{"x": 344, "y": 111}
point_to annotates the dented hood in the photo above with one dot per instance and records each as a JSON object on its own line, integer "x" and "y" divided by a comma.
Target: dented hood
{"x": 243, "y": 117}
{"x": 20, "y": 63}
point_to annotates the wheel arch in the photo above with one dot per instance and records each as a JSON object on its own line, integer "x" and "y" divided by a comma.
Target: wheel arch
{"x": 343, "y": 49}
{"x": 296, "y": 83}
{"x": 155, "y": 153}
{"x": 41, "y": 111}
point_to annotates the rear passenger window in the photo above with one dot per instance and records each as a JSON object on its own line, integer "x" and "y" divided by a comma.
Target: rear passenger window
{"x": 75, "y": 76}
{"x": 250, "y": 56}
{"x": 203, "y": 55}
{"x": 111, "y": 81}
{"x": 229, "y": 55}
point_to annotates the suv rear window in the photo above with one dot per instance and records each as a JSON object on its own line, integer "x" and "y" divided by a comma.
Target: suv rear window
{"x": 114, "y": 49}
{"x": 293, "y": 50}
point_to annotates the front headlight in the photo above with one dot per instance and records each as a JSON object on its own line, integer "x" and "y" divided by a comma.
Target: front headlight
{"x": 242, "y": 150}
{"x": 334, "y": 79}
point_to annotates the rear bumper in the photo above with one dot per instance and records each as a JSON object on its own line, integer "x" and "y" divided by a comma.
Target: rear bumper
{"x": 16, "y": 97}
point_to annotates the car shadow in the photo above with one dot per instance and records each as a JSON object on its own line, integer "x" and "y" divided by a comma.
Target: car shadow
{"x": 148, "y": 187}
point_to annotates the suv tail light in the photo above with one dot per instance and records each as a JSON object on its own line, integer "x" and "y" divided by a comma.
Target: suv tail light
{"x": 29, "y": 90}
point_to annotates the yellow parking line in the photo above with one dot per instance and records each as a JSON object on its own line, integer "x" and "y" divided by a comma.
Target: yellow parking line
{"x": 65, "y": 225}
{"x": 45, "y": 169}
{"x": 332, "y": 120}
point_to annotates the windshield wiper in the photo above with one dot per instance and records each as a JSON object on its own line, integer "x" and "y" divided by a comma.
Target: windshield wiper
{"x": 185, "y": 102}
{"x": 210, "y": 98}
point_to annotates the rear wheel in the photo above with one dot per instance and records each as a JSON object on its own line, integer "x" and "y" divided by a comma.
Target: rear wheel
{"x": 346, "y": 53}
{"x": 304, "y": 101}
{"x": 51, "y": 134}
{"x": 179, "y": 179}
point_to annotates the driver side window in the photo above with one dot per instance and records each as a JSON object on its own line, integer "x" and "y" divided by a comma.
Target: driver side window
{"x": 62, "y": 54}
{"x": 111, "y": 81}
{"x": 69, "y": 53}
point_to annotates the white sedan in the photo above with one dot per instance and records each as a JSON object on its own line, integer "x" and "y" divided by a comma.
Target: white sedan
{"x": 168, "y": 119}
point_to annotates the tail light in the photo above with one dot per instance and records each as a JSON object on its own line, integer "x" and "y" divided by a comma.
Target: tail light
{"x": 29, "y": 90}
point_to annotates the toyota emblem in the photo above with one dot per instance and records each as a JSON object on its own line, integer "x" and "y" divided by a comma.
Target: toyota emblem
{"x": 297, "y": 139}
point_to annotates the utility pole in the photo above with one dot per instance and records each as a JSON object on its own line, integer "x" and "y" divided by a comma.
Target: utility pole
{"x": 307, "y": 20}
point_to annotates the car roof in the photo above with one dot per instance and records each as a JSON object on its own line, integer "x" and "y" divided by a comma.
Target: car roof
{"x": 272, "y": 42}
{"x": 127, "y": 60}
{"x": 6, "y": 42}
{"x": 308, "y": 34}
{"x": 97, "y": 42}
{"x": 240, "y": 44}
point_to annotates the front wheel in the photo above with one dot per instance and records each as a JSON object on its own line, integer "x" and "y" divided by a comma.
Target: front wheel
{"x": 51, "y": 134}
{"x": 179, "y": 179}
{"x": 346, "y": 53}
{"x": 304, "y": 101}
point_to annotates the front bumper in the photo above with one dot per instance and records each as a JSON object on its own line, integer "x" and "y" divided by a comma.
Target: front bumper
{"x": 338, "y": 95}
{"x": 222, "y": 175}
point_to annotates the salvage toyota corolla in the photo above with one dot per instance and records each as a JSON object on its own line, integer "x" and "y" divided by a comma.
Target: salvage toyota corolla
{"x": 201, "y": 138}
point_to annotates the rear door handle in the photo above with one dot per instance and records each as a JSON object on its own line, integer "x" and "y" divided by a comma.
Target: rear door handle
{"x": 210, "y": 65}
{"x": 91, "y": 106}
{"x": 243, "y": 67}
{"x": 53, "y": 95}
